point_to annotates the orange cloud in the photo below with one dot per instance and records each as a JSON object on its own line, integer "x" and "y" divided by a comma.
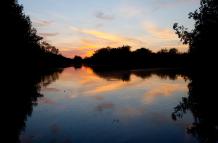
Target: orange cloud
{"x": 108, "y": 37}
{"x": 160, "y": 33}
{"x": 94, "y": 39}
{"x": 162, "y": 37}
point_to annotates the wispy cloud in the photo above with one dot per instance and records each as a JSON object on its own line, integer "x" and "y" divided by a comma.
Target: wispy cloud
{"x": 41, "y": 23}
{"x": 112, "y": 23}
{"x": 161, "y": 37}
{"x": 49, "y": 34}
{"x": 113, "y": 38}
{"x": 104, "y": 16}
{"x": 161, "y": 33}
{"x": 93, "y": 39}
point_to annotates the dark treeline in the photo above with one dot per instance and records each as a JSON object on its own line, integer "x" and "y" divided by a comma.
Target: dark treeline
{"x": 123, "y": 57}
{"x": 22, "y": 47}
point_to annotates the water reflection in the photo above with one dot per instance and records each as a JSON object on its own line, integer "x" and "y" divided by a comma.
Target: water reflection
{"x": 202, "y": 102}
{"x": 22, "y": 97}
{"x": 95, "y": 105}
{"x": 124, "y": 75}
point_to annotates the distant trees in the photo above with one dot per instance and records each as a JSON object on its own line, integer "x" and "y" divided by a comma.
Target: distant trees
{"x": 202, "y": 40}
{"x": 173, "y": 51}
{"x": 124, "y": 57}
{"x": 114, "y": 56}
{"x": 77, "y": 61}
{"x": 142, "y": 52}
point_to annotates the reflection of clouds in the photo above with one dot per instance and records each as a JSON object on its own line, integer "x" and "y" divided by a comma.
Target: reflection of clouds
{"x": 85, "y": 83}
{"x": 55, "y": 129}
{"x": 104, "y": 106}
{"x": 99, "y": 97}
{"x": 106, "y": 88}
{"x": 164, "y": 89}
{"x": 131, "y": 112}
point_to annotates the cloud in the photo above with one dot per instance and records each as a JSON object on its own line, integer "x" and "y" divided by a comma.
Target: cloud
{"x": 161, "y": 37}
{"x": 102, "y": 15}
{"x": 157, "y": 32}
{"x": 93, "y": 39}
{"x": 112, "y": 39}
{"x": 49, "y": 34}
{"x": 71, "y": 52}
{"x": 41, "y": 23}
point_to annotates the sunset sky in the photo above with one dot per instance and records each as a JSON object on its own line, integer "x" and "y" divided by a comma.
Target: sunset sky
{"x": 79, "y": 27}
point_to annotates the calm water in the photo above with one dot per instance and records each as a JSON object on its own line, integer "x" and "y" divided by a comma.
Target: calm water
{"x": 83, "y": 106}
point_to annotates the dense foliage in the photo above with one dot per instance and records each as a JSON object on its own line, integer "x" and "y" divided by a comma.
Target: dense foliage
{"x": 202, "y": 40}
{"x": 21, "y": 44}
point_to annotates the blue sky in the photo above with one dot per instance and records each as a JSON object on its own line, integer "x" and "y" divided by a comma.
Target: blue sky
{"x": 79, "y": 27}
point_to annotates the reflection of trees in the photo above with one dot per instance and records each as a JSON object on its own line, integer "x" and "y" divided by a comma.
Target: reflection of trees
{"x": 111, "y": 74}
{"x": 202, "y": 104}
{"x": 21, "y": 97}
{"x": 202, "y": 94}
{"x": 201, "y": 101}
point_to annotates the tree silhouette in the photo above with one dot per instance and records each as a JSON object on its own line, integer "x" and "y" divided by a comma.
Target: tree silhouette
{"x": 21, "y": 97}
{"x": 22, "y": 46}
{"x": 202, "y": 40}
{"x": 123, "y": 57}
{"x": 203, "y": 105}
